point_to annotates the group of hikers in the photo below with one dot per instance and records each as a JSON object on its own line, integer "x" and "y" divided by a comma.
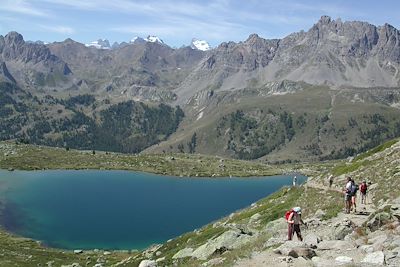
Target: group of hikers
{"x": 293, "y": 216}
{"x": 350, "y": 194}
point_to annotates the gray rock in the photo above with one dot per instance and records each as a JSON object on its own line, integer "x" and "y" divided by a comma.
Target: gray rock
{"x": 319, "y": 214}
{"x": 340, "y": 232}
{"x": 230, "y": 239}
{"x": 274, "y": 241}
{"x": 302, "y": 252}
{"x": 186, "y": 252}
{"x": 320, "y": 262}
{"x": 366, "y": 249}
{"x": 78, "y": 251}
{"x": 288, "y": 246}
{"x": 375, "y": 258}
{"x": 343, "y": 260}
{"x": 311, "y": 240}
{"x": 378, "y": 220}
{"x": 334, "y": 245}
{"x": 214, "y": 261}
{"x": 147, "y": 263}
{"x": 390, "y": 255}
{"x": 295, "y": 249}
{"x": 276, "y": 225}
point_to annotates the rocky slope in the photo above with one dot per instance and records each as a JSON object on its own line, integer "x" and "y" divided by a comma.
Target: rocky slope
{"x": 256, "y": 236}
{"x": 331, "y": 52}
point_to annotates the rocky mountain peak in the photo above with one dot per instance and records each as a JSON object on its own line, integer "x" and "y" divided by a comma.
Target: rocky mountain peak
{"x": 252, "y": 38}
{"x": 324, "y": 20}
{"x": 14, "y": 38}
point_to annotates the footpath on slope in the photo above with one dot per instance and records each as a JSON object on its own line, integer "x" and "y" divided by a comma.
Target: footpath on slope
{"x": 370, "y": 237}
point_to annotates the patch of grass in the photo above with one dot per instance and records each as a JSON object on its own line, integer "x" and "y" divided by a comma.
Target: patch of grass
{"x": 331, "y": 202}
{"x": 350, "y": 167}
{"x": 17, "y": 251}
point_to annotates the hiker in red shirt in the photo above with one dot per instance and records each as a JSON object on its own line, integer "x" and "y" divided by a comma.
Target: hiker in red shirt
{"x": 363, "y": 192}
{"x": 294, "y": 220}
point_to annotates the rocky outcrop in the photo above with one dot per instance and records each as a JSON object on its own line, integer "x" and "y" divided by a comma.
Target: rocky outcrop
{"x": 32, "y": 65}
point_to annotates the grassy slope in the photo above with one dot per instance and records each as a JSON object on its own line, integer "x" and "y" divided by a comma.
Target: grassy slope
{"x": 315, "y": 101}
{"x": 25, "y": 252}
{"x": 30, "y": 157}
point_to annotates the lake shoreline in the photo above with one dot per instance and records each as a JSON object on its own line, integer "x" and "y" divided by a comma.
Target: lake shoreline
{"x": 219, "y": 192}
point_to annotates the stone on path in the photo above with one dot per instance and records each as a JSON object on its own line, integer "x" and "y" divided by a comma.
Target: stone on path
{"x": 343, "y": 260}
{"x": 376, "y": 258}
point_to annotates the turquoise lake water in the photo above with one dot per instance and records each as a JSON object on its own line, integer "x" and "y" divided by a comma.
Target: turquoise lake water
{"x": 120, "y": 209}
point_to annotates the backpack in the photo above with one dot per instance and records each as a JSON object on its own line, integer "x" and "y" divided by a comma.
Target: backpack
{"x": 287, "y": 214}
{"x": 353, "y": 189}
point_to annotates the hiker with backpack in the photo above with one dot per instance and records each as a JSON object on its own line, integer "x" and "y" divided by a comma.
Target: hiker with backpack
{"x": 353, "y": 192}
{"x": 363, "y": 192}
{"x": 293, "y": 217}
{"x": 347, "y": 195}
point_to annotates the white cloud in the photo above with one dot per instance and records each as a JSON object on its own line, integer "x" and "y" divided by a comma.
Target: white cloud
{"x": 22, "y": 7}
{"x": 58, "y": 29}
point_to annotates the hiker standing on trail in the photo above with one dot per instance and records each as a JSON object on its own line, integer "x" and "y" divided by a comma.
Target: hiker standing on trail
{"x": 354, "y": 189}
{"x": 363, "y": 192}
{"x": 330, "y": 178}
{"x": 347, "y": 195}
{"x": 294, "y": 180}
{"x": 294, "y": 220}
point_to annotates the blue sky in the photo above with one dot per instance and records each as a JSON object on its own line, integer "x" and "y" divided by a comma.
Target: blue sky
{"x": 178, "y": 21}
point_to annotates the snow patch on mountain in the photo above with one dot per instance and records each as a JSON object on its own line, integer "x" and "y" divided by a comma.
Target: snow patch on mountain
{"x": 154, "y": 39}
{"x": 99, "y": 44}
{"x": 200, "y": 45}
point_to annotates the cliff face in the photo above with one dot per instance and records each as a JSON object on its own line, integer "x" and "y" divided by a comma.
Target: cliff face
{"x": 32, "y": 65}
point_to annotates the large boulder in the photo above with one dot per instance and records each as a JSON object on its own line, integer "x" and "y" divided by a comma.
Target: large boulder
{"x": 344, "y": 260}
{"x": 378, "y": 242}
{"x": 312, "y": 240}
{"x": 230, "y": 239}
{"x": 295, "y": 249}
{"x": 276, "y": 226}
{"x": 186, "y": 252}
{"x": 378, "y": 220}
{"x": 376, "y": 258}
{"x": 342, "y": 229}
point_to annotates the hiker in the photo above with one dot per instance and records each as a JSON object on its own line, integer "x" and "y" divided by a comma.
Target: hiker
{"x": 294, "y": 220}
{"x": 353, "y": 192}
{"x": 347, "y": 195}
{"x": 330, "y": 178}
{"x": 363, "y": 192}
{"x": 294, "y": 180}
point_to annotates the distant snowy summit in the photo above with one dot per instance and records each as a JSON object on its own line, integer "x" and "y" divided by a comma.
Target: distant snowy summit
{"x": 105, "y": 44}
{"x": 99, "y": 44}
{"x": 154, "y": 39}
{"x": 200, "y": 45}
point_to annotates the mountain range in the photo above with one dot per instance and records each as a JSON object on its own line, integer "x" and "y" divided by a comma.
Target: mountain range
{"x": 240, "y": 99}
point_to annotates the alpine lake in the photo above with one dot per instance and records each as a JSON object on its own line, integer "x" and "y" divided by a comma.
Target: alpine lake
{"x": 90, "y": 209}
